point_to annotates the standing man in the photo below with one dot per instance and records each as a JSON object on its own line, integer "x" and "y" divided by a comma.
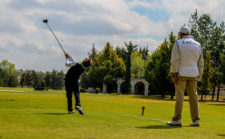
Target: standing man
{"x": 186, "y": 69}
{"x": 72, "y": 84}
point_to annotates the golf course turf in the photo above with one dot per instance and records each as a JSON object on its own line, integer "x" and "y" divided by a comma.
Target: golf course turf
{"x": 25, "y": 113}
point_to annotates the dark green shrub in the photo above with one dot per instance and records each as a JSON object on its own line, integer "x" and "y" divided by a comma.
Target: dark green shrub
{"x": 97, "y": 90}
{"x": 40, "y": 88}
{"x": 83, "y": 90}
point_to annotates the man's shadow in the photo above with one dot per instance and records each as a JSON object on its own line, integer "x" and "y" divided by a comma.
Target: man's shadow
{"x": 52, "y": 113}
{"x": 159, "y": 127}
{"x": 222, "y": 135}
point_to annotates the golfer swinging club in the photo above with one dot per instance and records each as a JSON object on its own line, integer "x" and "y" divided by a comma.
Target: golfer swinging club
{"x": 72, "y": 84}
{"x": 72, "y": 76}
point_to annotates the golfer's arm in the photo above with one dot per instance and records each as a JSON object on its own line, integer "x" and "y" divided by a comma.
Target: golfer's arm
{"x": 70, "y": 62}
{"x": 201, "y": 66}
{"x": 175, "y": 59}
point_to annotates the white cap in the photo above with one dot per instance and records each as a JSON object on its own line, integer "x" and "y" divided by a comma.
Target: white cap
{"x": 185, "y": 29}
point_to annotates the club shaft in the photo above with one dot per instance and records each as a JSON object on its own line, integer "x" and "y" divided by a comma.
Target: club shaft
{"x": 56, "y": 38}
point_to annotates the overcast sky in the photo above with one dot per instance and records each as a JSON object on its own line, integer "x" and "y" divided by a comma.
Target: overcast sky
{"x": 26, "y": 42}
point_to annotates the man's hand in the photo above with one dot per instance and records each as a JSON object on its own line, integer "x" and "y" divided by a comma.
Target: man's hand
{"x": 175, "y": 78}
{"x": 67, "y": 55}
{"x": 199, "y": 78}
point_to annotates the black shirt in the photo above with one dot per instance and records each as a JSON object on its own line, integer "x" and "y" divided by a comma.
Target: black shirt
{"x": 73, "y": 74}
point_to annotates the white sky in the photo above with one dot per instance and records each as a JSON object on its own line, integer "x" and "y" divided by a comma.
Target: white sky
{"x": 78, "y": 24}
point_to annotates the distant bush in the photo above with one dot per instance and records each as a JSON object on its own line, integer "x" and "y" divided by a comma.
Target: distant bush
{"x": 83, "y": 90}
{"x": 97, "y": 90}
{"x": 40, "y": 88}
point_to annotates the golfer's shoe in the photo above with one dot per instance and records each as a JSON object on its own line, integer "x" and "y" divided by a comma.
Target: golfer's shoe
{"x": 71, "y": 112}
{"x": 174, "y": 123}
{"x": 196, "y": 123}
{"x": 79, "y": 109}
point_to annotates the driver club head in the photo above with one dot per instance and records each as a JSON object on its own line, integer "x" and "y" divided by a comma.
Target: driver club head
{"x": 45, "y": 21}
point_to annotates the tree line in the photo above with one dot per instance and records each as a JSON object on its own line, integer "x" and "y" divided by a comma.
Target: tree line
{"x": 112, "y": 63}
{"x": 10, "y": 77}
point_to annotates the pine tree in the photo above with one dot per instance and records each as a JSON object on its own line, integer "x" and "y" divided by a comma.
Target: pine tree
{"x": 130, "y": 48}
{"x": 108, "y": 66}
{"x": 158, "y": 69}
{"x": 205, "y": 85}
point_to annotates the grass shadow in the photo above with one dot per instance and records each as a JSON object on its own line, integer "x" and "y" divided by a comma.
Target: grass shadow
{"x": 154, "y": 97}
{"x": 52, "y": 113}
{"x": 222, "y": 135}
{"x": 159, "y": 127}
{"x": 7, "y": 99}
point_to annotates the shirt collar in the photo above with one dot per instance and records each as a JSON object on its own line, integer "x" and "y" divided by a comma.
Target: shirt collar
{"x": 188, "y": 36}
{"x": 81, "y": 64}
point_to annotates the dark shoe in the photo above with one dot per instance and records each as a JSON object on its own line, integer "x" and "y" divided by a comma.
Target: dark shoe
{"x": 174, "y": 123}
{"x": 71, "y": 112}
{"x": 79, "y": 109}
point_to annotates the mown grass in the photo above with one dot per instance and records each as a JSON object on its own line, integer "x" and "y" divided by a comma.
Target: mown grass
{"x": 36, "y": 114}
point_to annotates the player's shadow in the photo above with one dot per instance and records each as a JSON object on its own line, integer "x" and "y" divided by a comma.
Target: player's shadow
{"x": 52, "y": 113}
{"x": 222, "y": 135}
{"x": 7, "y": 99}
{"x": 159, "y": 127}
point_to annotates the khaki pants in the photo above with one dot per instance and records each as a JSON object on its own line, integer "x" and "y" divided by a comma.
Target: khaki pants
{"x": 190, "y": 84}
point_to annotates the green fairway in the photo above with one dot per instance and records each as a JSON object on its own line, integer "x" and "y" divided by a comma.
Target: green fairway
{"x": 25, "y": 113}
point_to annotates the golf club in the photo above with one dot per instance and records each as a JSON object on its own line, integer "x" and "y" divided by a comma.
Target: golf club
{"x": 69, "y": 60}
{"x": 46, "y": 22}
